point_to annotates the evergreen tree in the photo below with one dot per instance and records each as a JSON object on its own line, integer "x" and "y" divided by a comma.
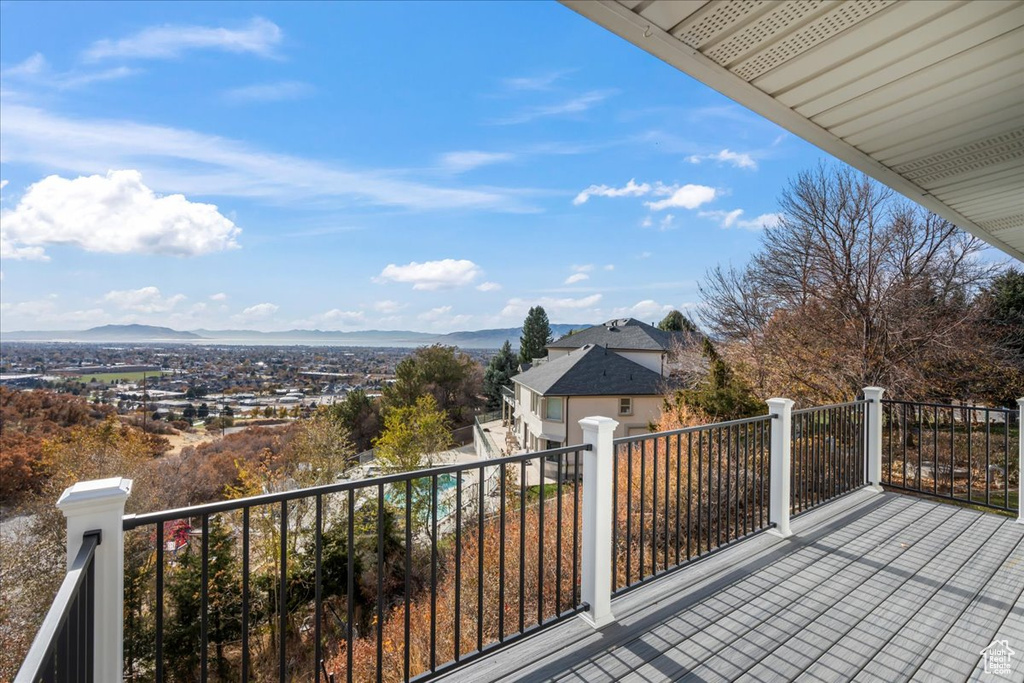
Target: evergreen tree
{"x": 203, "y": 412}
{"x": 536, "y": 335}
{"x": 722, "y": 395}
{"x": 677, "y": 322}
{"x": 498, "y": 374}
{"x": 182, "y": 639}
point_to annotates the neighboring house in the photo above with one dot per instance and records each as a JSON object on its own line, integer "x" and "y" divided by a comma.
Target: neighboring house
{"x": 639, "y": 342}
{"x": 552, "y": 397}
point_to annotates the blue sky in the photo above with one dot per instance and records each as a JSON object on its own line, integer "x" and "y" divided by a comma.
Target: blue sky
{"x": 345, "y": 166}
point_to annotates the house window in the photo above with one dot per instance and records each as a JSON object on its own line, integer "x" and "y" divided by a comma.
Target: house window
{"x": 534, "y": 408}
{"x": 625, "y": 406}
{"x": 553, "y": 409}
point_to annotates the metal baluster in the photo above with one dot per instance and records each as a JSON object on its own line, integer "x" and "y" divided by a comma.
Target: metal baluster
{"x": 408, "y": 576}
{"x": 380, "y": 582}
{"x": 458, "y": 565}
{"x": 501, "y": 555}
{"x": 204, "y": 600}
{"x": 283, "y": 590}
{"x": 159, "y": 602}
{"x": 541, "y": 466}
{"x": 350, "y": 589}
{"x": 480, "y": 566}
{"x": 562, "y": 467}
{"x": 433, "y": 573}
{"x": 318, "y": 616}
{"x": 245, "y": 594}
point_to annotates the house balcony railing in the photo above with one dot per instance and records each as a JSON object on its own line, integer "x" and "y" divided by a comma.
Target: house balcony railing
{"x": 417, "y": 573}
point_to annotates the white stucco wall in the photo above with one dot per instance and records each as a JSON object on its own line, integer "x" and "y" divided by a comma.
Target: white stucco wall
{"x": 646, "y": 409}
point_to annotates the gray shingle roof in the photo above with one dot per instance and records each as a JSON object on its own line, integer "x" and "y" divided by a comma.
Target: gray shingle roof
{"x": 625, "y": 334}
{"x": 591, "y": 371}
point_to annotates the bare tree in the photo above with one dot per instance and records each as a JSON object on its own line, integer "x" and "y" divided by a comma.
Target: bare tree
{"x": 854, "y": 287}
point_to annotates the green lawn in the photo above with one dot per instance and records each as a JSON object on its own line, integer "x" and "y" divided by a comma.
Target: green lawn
{"x": 107, "y": 377}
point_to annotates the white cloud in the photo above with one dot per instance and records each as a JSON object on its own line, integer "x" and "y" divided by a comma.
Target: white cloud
{"x": 666, "y": 222}
{"x": 646, "y": 222}
{"x": 259, "y": 37}
{"x": 539, "y": 82}
{"x": 46, "y": 313}
{"x": 388, "y": 306}
{"x": 460, "y": 162}
{"x": 441, "y": 318}
{"x": 488, "y": 287}
{"x": 517, "y": 308}
{"x": 576, "y": 277}
{"x": 647, "y": 310}
{"x": 610, "y": 266}
{"x": 269, "y": 92}
{"x": 33, "y": 66}
{"x": 115, "y": 214}
{"x": 339, "y": 317}
{"x": 12, "y": 252}
{"x": 143, "y": 300}
{"x": 257, "y": 312}
{"x": 219, "y": 296}
{"x": 431, "y": 275}
{"x": 36, "y": 71}
{"x": 574, "y": 105}
{"x": 630, "y": 189}
{"x": 180, "y": 160}
{"x": 435, "y": 313}
{"x": 687, "y": 197}
{"x": 585, "y": 268}
{"x": 3, "y": 184}
{"x": 737, "y": 159}
{"x": 644, "y": 255}
{"x": 730, "y": 219}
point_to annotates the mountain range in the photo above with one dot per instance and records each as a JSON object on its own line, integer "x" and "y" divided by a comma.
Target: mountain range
{"x": 471, "y": 339}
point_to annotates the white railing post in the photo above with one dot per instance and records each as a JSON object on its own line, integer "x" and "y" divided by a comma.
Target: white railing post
{"x": 1020, "y": 459}
{"x": 598, "y": 510}
{"x": 99, "y": 506}
{"x": 873, "y": 437}
{"x": 782, "y": 428}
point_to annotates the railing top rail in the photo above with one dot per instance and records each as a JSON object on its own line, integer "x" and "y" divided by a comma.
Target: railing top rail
{"x": 136, "y": 520}
{"x": 847, "y": 404}
{"x": 36, "y": 659}
{"x": 688, "y": 430}
{"x": 955, "y": 406}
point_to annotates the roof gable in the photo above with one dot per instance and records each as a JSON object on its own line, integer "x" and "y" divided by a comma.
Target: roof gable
{"x": 591, "y": 371}
{"x": 626, "y": 334}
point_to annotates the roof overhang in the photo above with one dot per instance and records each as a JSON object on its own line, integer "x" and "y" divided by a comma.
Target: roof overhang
{"x": 925, "y": 96}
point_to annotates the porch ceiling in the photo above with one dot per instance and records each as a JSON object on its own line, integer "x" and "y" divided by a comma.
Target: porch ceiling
{"x": 926, "y": 96}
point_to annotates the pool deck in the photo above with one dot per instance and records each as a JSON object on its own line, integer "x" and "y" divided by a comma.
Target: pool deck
{"x": 872, "y": 587}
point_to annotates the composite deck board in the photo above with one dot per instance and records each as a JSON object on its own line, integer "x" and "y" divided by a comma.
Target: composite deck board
{"x": 878, "y": 587}
{"x": 867, "y": 636}
{"x": 725, "y": 648}
{"x": 808, "y": 624}
{"x": 959, "y": 651}
{"x": 900, "y": 658}
{"x": 771, "y": 589}
{"x": 1011, "y": 629}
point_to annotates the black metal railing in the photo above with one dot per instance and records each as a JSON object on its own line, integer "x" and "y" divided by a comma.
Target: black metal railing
{"x": 956, "y": 452}
{"x": 828, "y": 453}
{"x": 480, "y": 435}
{"x": 408, "y": 573}
{"x": 63, "y": 648}
{"x": 681, "y": 494}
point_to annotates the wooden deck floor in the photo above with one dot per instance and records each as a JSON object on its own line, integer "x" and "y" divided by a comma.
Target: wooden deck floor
{"x": 874, "y": 587}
